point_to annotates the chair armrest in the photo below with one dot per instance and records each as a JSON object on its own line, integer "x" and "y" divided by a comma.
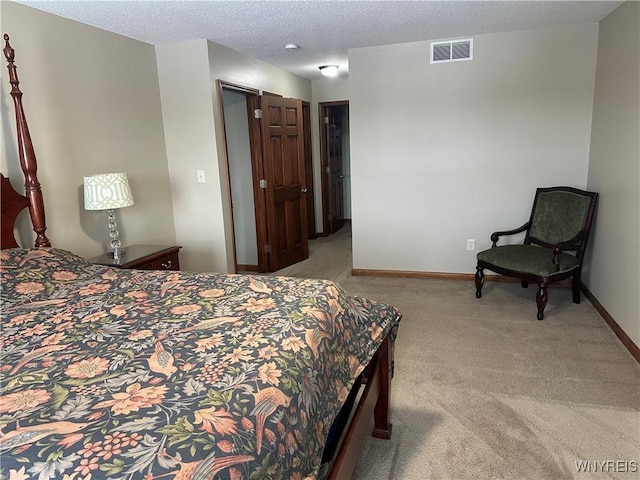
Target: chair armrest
{"x": 560, "y": 247}
{"x": 496, "y": 235}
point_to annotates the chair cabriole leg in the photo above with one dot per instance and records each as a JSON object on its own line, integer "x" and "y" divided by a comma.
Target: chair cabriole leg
{"x": 479, "y": 281}
{"x": 575, "y": 287}
{"x": 541, "y": 298}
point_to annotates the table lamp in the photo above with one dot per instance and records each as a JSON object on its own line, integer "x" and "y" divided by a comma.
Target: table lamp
{"x": 108, "y": 191}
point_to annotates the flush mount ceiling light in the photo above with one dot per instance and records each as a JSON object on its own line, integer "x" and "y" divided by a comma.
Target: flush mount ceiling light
{"x": 329, "y": 70}
{"x": 292, "y": 46}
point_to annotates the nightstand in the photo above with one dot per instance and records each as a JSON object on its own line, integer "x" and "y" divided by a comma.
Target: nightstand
{"x": 143, "y": 257}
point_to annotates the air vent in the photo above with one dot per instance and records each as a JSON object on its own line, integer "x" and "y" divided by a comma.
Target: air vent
{"x": 452, "y": 51}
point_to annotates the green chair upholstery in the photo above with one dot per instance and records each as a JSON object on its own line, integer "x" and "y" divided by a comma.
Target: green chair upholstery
{"x": 554, "y": 244}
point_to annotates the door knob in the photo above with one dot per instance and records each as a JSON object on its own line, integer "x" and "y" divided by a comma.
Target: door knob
{"x": 304, "y": 190}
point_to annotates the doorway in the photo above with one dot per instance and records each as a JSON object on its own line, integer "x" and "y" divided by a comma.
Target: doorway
{"x": 335, "y": 165}
{"x": 267, "y": 145}
{"x": 235, "y": 101}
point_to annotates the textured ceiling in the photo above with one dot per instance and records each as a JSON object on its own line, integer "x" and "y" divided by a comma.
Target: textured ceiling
{"x": 325, "y": 30}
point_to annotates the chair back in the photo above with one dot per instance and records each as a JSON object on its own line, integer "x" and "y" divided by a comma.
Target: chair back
{"x": 559, "y": 214}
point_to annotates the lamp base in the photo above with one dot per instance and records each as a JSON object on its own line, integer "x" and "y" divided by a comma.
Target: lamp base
{"x": 118, "y": 253}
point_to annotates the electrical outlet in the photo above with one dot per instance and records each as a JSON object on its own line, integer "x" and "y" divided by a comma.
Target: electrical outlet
{"x": 471, "y": 244}
{"x": 200, "y": 176}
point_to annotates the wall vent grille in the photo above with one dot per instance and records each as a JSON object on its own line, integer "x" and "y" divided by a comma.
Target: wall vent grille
{"x": 452, "y": 51}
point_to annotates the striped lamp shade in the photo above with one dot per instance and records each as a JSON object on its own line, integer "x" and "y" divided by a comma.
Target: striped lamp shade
{"x": 107, "y": 191}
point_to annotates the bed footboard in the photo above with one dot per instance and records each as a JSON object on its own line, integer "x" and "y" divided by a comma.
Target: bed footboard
{"x": 382, "y": 427}
{"x": 374, "y": 401}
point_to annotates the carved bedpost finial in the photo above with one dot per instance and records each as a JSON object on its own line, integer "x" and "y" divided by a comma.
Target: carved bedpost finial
{"x": 9, "y": 53}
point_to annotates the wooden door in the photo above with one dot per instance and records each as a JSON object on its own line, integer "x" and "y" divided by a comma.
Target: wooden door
{"x": 336, "y": 171}
{"x": 332, "y": 115}
{"x": 285, "y": 187}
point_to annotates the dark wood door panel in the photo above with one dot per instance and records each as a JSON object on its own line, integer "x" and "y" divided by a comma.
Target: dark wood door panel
{"x": 287, "y": 213}
{"x": 292, "y": 118}
{"x": 276, "y": 161}
{"x": 274, "y": 116}
{"x": 292, "y": 169}
{"x": 284, "y": 194}
{"x": 285, "y": 179}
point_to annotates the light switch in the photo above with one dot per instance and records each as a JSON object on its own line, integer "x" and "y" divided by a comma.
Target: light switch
{"x": 200, "y": 175}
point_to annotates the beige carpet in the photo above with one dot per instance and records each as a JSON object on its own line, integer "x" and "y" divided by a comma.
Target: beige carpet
{"x": 483, "y": 390}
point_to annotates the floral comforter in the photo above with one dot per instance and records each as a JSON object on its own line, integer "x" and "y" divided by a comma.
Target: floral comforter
{"x": 125, "y": 374}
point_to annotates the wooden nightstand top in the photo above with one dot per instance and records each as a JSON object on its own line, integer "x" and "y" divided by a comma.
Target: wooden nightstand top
{"x": 147, "y": 257}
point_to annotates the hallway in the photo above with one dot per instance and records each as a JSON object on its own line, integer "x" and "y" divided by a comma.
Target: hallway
{"x": 329, "y": 258}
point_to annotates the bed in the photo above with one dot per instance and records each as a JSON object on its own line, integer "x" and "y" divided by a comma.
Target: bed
{"x": 127, "y": 374}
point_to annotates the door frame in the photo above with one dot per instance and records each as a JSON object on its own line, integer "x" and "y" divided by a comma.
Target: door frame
{"x": 255, "y": 139}
{"x": 308, "y": 160}
{"x": 255, "y": 142}
{"x": 325, "y": 167}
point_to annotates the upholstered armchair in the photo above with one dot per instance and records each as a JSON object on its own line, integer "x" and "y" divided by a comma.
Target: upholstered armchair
{"x": 554, "y": 243}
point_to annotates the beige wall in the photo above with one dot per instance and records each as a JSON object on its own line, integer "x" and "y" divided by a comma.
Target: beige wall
{"x": 189, "y": 126}
{"x": 93, "y": 106}
{"x": 445, "y": 153}
{"x": 614, "y": 169}
{"x": 192, "y": 112}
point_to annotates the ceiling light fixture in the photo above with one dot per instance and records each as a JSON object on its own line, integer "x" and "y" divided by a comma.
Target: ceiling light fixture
{"x": 292, "y": 46}
{"x": 329, "y": 70}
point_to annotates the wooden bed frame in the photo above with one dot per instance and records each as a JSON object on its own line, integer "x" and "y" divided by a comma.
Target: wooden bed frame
{"x": 376, "y": 387}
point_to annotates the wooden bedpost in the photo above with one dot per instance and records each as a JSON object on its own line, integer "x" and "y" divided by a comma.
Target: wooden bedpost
{"x": 28, "y": 163}
{"x": 382, "y": 426}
